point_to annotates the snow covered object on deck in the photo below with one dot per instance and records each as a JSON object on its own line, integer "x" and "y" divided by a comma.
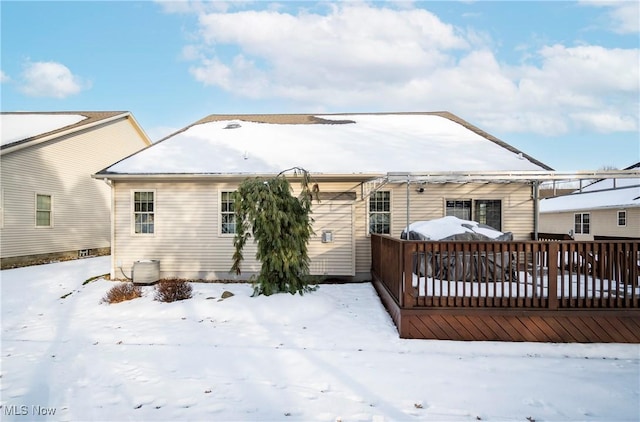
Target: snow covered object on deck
{"x": 453, "y": 228}
{"x": 457, "y": 265}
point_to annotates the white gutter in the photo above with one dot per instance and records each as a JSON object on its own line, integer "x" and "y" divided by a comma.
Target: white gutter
{"x": 361, "y": 177}
{"x": 517, "y": 175}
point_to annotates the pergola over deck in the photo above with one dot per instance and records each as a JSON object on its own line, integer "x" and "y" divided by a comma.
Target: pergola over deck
{"x": 532, "y": 177}
{"x": 559, "y": 291}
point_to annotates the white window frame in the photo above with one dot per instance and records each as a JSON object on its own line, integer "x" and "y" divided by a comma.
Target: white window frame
{"x": 581, "y": 227}
{"x": 35, "y": 207}
{"x": 368, "y": 212}
{"x": 622, "y": 213}
{"x": 220, "y": 233}
{"x": 133, "y": 212}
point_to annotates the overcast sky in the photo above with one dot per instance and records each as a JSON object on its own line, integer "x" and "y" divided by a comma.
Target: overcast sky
{"x": 559, "y": 80}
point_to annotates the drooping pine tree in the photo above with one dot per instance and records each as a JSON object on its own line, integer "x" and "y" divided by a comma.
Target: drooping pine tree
{"x": 281, "y": 225}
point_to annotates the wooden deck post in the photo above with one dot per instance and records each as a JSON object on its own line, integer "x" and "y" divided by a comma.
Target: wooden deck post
{"x": 401, "y": 274}
{"x": 408, "y": 297}
{"x": 552, "y": 274}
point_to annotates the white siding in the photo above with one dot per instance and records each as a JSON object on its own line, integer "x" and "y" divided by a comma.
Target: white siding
{"x": 602, "y": 223}
{"x": 62, "y": 168}
{"x": 188, "y": 244}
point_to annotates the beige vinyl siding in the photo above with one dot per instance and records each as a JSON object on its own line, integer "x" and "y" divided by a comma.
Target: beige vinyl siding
{"x": 188, "y": 244}
{"x": 186, "y": 239}
{"x": 601, "y": 223}
{"x": 336, "y": 258}
{"x": 609, "y": 222}
{"x": 62, "y": 168}
{"x": 517, "y": 209}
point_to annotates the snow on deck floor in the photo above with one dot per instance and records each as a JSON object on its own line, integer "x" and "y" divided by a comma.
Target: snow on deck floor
{"x": 331, "y": 354}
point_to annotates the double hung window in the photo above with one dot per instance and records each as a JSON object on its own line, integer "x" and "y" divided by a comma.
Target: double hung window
{"x": 44, "y": 205}
{"x": 380, "y": 212}
{"x": 581, "y": 223}
{"x": 622, "y": 218}
{"x": 144, "y": 212}
{"x": 227, "y": 213}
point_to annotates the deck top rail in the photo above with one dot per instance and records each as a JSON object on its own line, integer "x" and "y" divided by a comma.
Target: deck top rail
{"x": 549, "y": 275}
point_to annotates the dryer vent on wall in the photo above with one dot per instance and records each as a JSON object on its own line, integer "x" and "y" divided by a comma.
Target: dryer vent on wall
{"x": 146, "y": 272}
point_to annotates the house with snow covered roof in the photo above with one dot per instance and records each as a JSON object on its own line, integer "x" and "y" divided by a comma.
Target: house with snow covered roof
{"x": 172, "y": 201}
{"x": 605, "y": 209}
{"x": 50, "y": 206}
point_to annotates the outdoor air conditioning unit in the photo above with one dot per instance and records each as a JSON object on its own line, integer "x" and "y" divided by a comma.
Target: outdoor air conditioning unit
{"x": 146, "y": 271}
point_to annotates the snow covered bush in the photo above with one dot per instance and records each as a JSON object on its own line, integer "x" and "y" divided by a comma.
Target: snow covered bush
{"x": 172, "y": 290}
{"x": 121, "y": 292}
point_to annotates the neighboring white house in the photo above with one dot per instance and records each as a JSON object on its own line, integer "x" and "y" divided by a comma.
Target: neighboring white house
{"x": 172, "y": 201}
{"x": 605, "y": 209}
{"x": 50, "y": 206}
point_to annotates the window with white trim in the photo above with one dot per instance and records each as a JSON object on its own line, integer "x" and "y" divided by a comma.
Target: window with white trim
{"x": 227, "y": 213}
{"x": 144, "y": 212}
{"x": 44, "y": 206}
{"x": 380, "y": 212}
{"x": 622, "y": 218}
{"x": 581, "y": 223}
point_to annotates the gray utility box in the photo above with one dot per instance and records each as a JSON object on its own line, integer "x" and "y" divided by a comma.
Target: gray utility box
{"x": 146, "y": 271}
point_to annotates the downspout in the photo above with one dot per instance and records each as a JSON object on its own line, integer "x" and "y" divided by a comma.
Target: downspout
{"x": 112, "y": 219}
{"x": 536, "y": 185}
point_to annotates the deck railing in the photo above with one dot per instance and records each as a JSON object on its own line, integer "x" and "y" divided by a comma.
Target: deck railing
{"x": 518, "y": 274}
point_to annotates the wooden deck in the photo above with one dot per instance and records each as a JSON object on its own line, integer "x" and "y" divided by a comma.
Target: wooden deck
{"x": 559, "y": 291}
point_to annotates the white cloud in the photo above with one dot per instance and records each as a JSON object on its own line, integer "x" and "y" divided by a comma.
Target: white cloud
{"x": 628, "y": 17}
{"x": 213, "y": 72}
{"x": 351, "y": 45}
{"x": 624, "y": 15}
{"x": 358, "y": 57}
{"x": 4, "y": 77}
{"x": 50, "y": 79}
{"x": 605, "y": 121}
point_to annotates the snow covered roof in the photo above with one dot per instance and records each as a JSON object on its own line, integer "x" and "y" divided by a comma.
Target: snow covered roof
{"x": 613, "y": 183}
{"x": 601, "y": 194}
{"x": 20, "y": 129}
{"x": 326, "y": 144}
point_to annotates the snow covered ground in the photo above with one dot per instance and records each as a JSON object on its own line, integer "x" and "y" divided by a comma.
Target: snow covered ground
{"x": 330, "y": 355}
